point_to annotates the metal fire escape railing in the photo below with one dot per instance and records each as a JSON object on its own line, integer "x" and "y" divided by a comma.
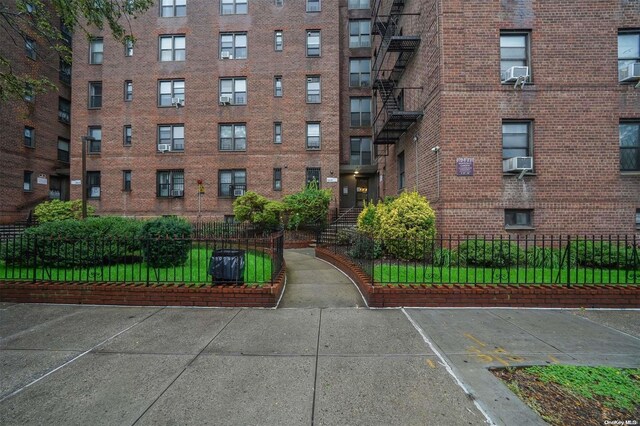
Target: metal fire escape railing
{"x": 391, "y": 119}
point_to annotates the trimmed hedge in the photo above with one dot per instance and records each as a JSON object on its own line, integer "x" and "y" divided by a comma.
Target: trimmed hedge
{"x": 166, "y": 241}
{"x": 489, "y": 253}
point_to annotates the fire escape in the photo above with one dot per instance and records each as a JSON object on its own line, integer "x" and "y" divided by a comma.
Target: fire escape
{"x": 394, "y": 52}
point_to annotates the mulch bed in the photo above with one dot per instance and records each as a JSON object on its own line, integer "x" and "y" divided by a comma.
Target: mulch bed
{"x": 558, "y": 406}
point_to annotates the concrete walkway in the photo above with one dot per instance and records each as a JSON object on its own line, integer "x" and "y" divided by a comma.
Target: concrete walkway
{"x": 313, "y": 283}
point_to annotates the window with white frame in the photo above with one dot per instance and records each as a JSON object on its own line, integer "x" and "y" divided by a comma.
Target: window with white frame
{"x": 518, "y": 218}
{"x": 360, "y": 112}
{"x": 360, "y": 33}
{"x": 312, "y": 174}
{"x": 95, "y": 94}
{"x": 313, "y": 43}
{"x": 313, "y": 135}
{"x": 514, "y": 52}
{"x": 128, "y": 46}
{"x": 360, "y": 151}
{"x": 277, "y": 86}
{"x": 278, "y": 40}
{"x": 277, "y": 132}
{"x": 93, "y": 184}
{"x": 29, "y": 137}
{"x": 27, "y": 181}
{"x": 233, "y": 7}
{"x": 234, "y": 89}
{"x": 628, "y": 54}
{"x": 233, "y": 137}
{"x": 359, "y": 4}
{"x": 172, "y": 48}
{"x": 128, "y": 91}
{"x": 233, "y": 45}
{"x": 360, "y": 72}
{"x": 170, "y": 91}
{"x": 313, "y": 89}
{"x": 170, "y": 183}
{"x": 127, "y": 134}
{"x": 96, "y": 50}
{"x": 63, "y": 150}
{"x": 232, "y": 183}
{"x": 277, "y": 179}
{"x": 517, "y": 139}
{"x": 171, "y": 136}
{"x": 95, "y": 139}
{"x": 313, "y": 5}
{"x": 173, "y": 8}
{"x": 630, "y": 146}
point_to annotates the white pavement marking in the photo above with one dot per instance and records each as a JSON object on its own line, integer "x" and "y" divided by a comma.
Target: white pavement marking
{"x": 76, "y": 358}
{"x": 448, "y": 367}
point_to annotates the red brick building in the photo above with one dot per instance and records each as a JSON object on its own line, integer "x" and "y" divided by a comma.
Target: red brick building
{"x": 511, "y": 117}
{"x": 34, "y": 131}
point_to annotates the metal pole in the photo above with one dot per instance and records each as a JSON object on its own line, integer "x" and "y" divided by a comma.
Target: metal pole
{"x": 84, "y": 176}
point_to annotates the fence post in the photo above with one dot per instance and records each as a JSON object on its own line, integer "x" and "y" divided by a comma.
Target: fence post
{"x": 569, "y": 261}
{"x": 35, "y": 257}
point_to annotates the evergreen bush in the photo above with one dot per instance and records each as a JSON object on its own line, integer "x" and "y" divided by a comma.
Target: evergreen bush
{"x": 55, "y": 210}
{"x": 166, "y": 241}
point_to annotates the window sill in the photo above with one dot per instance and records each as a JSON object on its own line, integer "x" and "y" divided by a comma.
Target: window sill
{"x": 630, "y": 173}
{"x": 94, "y": 153}
{"x": 30, "y": 146}
{"x": 313, "y": 149}
{"x": 519, "y": 228}
{"x": 94, "y": 108}
{"x": 516, "y": 174}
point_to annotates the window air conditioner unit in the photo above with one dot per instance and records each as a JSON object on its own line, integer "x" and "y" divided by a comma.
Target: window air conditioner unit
{"x": 226, "y": 55}
{"x": 177, "y": 101}
{"x": 517, "y": 164}
{"x": 513, "y": 73}
{"x": 177, "y": 193}
{"x": 238, "y": 192}
{"x": 164, "y": 147}
{"x": 631, "y": 72}
{"x": 225, "y": 100}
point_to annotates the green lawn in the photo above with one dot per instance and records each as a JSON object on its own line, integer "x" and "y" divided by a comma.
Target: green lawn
{"x": 257, "y": 271}
{"x": 420, "y": 274}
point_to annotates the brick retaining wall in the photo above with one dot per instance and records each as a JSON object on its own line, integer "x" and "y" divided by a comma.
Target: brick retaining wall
{"x": 462, "y": 295}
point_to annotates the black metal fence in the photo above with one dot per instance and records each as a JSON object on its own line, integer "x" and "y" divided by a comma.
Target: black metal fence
{"x": 566, "y": 260}
{"x": 254, "y": 261}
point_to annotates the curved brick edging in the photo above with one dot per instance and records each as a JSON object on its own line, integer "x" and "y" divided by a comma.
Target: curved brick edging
{"x": 142, "y": 295}
{"x": 461, "y": 295}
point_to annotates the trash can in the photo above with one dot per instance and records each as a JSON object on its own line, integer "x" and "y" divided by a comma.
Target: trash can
{"x": 227, "y": 266}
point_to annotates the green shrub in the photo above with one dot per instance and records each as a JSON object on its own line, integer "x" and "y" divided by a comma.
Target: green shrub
{"x": 266, "y": 215}
{"x": 407, "y": 226}
{"x": 308, "y": 207}
{"x": 166, "y": 241}
{"x": 546, "y": 257}
{"x": 55, "y": 210}
{"x": 443, "y": 257}
{"x": 344, "y": 236}
{"x": 365, "y": 247}
{"x": 369, "y": 220}
{"x": 496, "y": 253}
{"x": 69, "y": 243}
{"x": 603, "y": 254}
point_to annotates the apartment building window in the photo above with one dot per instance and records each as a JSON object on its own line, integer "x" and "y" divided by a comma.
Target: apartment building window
{"x": 65, "y": 71}
{"x": 401, "y": 175}
{"x": 360, "y": 112}
{"x": 277, "y": 86}
{"x": 313, "y": 43}
{"x": 313, "y": 135}
{"x": 63, "y": 150}
{"x": 516, "y": 139}
{"x": 233, "y": 7}
{"x": 313, "y": 89}
{"x": 126, "y": 180}
{"x": 628, "y": 53}
{"x": 518, "y": 218}
{"x": 359, "y": 4}
{"x": 170, "y": 183}
{"x": 233, "y": 90}
{"x": 279, "y": 3}
{"x": 637, "y": 218}
{"x": 278, "y": 41}
{"x": 359, "y": 72}
{"x": 171, "y": 137}
{"x": 128, "y": 91}
{"x": 277, "y": 179}
{"x": 95, "y": 94}
{"x": 233, "y": 137}
{"x": 313, "y": 174}
{"x": 128, "y": 46}
{"x": 360, "y": 151}
{"x": 277, "y": 132}
{"x": 173, "y": 8}
{"x": 93, "y": 184}
{"x": 360, "y": 33}
{"x": 29, "y": 94}
{"x": 30, "y": 48}
{"x": 95, "y": 143}
{"x": 514, "y": 52}
{"x": 64, "y": 110}
{"x": 127, "y": 134}
{"x": 27, "y": 179}
{"x": 96, "y": 51}
{"x": 172, "y": 48}
{"x": 313, "y": 5}
{"x": 170, "y": 92}
{"x": 630, "y": 146}
{"x": 29, "y": 137}
{"x": 232, "y": 183}
{"x": 233, "y": 46}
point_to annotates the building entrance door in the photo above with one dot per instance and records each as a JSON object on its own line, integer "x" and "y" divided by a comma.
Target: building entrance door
{"x": 362, "y": 191}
